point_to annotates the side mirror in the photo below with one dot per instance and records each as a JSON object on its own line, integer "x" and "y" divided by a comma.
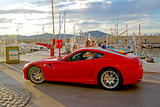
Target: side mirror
{"x": 64, "y": 59}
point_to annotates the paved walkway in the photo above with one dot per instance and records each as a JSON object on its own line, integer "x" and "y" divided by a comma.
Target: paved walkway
{"x": 13, "y": 96}
{"x": 13, "y": 84}
{"x": 151, "y": 67}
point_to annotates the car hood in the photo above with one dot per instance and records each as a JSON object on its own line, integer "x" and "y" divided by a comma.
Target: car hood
{"x": 51, "y": 59}
{"x": 44, "y": 61}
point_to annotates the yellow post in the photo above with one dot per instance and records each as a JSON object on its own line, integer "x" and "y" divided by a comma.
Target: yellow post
{"x": 53, "y": 24}
{"x": 53, "y": 19}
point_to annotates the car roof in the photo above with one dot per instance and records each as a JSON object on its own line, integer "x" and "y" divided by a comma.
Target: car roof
{"x": 101, "y": 50}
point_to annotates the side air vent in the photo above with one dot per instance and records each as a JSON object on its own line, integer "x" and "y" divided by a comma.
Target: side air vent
{"x": 50, "y": 65}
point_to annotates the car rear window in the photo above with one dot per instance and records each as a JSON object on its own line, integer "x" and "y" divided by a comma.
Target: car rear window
{"x": 113, "y": 52}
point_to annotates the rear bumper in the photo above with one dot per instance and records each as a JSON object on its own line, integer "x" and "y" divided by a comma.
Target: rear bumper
{"x": 133, "y": 75}
{"x": 140, "y": 74}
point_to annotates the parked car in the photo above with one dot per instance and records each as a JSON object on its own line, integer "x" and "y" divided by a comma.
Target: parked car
{"x": 106, "y": 68}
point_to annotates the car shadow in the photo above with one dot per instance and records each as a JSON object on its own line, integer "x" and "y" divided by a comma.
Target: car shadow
{"x": 86, "y": 86}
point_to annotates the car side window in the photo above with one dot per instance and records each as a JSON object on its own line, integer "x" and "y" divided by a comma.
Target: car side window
{"x": 86, "y": 55}
{"x": 98, "y": 55}
{"x": 75, "y": 57}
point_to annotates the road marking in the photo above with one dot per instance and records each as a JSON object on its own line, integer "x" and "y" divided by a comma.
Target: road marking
{"x": 39, "y": 98}
{"x": 12, "y": 67}
{"x": 151, "y": 81}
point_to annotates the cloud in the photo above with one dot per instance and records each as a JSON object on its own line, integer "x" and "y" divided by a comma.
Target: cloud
{"x": 21, "y": 11}
{"x": 5, "y": 20}
{"x": 4, "y": 28}
{"x": 126, "y": 11}
{"x": 85, "y": 14}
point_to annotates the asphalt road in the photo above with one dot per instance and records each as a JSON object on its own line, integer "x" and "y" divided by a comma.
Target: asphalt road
{"x": 75, "y": 95}
{"x": 52, "y": 94}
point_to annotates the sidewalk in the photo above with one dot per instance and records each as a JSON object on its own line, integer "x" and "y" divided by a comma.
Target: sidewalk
{"x": 12, "y": 94}
{"x": 151, "y": 67}
{"x": 27, "y": 57}
{"x": 13, "y": 83}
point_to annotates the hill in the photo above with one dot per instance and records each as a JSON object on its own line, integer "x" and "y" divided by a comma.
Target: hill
{"x": 97, "y": 34}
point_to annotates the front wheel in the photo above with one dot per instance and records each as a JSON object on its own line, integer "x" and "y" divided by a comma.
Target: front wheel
{"x": 110, "y": 79}
{"x": 36, "y": 75}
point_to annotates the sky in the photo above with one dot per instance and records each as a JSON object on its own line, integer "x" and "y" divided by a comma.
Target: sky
{"x": 30, "y": 16}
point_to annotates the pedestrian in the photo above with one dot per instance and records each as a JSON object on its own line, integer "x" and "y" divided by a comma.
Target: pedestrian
{"x": 93, "y": 44}
{"x": 149, "y": 44}
{"x": 87, "y": 44}
{"x": 67, "y": 47}
{"x": 104, "y": 45}
{"x": 99, "y": 45}
{"x": 145, "y": 43}
{"x": 125, "y": 43}
{"x": 74, "y": 48}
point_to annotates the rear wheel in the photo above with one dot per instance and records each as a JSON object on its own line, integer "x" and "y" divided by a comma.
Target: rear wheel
{"x": 35, "y": 74}
{"x": 110, "y": 79}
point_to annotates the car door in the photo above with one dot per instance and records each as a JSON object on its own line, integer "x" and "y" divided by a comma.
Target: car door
{"x": 75, "y": 68}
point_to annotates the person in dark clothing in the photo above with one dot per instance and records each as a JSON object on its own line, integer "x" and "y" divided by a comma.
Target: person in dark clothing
{"x": 104, "y": 45}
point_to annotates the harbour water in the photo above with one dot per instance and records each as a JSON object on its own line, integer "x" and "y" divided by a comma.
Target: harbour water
{"x": 155, "y": 53}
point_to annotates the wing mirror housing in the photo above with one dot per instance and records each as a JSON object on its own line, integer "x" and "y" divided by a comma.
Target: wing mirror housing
{"x": 64, "y": 59}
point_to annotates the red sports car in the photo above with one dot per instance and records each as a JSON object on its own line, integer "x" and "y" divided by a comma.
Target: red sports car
{"x": 106, "y": 68}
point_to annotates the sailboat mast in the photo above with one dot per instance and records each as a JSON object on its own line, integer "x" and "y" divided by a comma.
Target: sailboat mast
{"x": 59, "y": 25}
{"x": 53, "y": 41}
{"x": 140, "y": 38}
{"x": 64, "y": 25}
{"x": 117, "y": 31}
{"x": 140, "y": 34}
{"x": 53, "y": 20}
{"x": 127, "y": 30}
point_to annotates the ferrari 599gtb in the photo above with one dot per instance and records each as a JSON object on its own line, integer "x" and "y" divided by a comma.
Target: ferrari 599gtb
{"x": 106, "y": 68}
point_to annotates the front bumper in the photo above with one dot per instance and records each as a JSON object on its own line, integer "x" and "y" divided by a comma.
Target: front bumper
{"x": 25, "y": 75}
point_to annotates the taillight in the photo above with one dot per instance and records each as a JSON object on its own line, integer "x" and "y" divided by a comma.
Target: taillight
{"x": 139, "y": 62}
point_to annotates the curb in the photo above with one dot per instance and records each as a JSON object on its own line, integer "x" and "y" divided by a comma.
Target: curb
{"x": 151, "y": 81}
{"x": 151, "y": 72}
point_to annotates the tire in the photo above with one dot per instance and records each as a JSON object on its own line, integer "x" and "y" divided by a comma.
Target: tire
{"x": 110, "y": 79}
{"x": 35, "y": 75}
